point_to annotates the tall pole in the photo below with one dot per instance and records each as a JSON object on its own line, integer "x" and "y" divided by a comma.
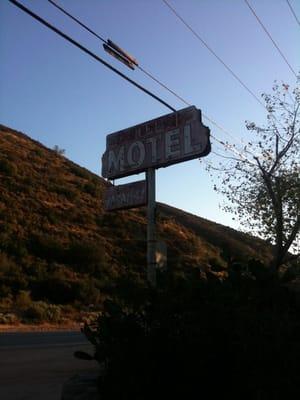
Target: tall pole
{"x": 151, "y": 235}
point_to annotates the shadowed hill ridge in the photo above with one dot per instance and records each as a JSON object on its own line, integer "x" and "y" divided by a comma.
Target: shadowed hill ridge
{"x": 58, "y": 244}
{"x": 237, "y": 244}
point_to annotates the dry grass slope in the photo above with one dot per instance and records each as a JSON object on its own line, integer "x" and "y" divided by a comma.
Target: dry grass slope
{"x": 60, "y": 251}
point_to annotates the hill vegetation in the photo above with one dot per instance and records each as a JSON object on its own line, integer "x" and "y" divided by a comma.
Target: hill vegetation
{"x": 60, "y": 252}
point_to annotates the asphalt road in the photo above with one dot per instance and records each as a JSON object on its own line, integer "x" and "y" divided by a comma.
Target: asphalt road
{"x": 33, "y": 339}
{"x": 35, "y": 365}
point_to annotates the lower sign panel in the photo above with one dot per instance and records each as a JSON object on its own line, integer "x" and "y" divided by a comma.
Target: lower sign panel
{"x": 126, "y": 196}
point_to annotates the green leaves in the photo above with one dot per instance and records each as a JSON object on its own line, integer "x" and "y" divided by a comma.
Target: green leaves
{"x": 263, "y": 186}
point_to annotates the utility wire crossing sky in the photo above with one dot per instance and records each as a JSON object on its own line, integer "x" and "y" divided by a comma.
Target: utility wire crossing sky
{"x": 108, "y": 43}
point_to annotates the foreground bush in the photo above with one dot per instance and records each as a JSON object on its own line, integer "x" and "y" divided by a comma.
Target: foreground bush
{"x": 235, "y": 341}
{"x": 8, "y": 318}
{"x": 40, "y": 311}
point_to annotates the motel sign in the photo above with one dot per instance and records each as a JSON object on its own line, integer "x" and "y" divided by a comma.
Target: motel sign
{"x": 170, "y": 139}
{"x": 130, "y": 195}
{"x": 167, "y": 140}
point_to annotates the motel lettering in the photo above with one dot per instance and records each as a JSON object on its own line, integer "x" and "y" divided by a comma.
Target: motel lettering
{"x": 167, "y": 140}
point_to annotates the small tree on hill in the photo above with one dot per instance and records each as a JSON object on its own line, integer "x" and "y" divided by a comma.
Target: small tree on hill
{"x": 262, "y": 183}
{"x": 59, "y": 151}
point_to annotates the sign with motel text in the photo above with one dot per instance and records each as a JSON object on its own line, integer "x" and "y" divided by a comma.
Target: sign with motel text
{"x": 167, "y": 140}
{"x": 125, "y": 196}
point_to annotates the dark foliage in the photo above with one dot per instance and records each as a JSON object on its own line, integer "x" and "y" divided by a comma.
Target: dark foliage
{"x": 237, "y": 341}
{"x": 7, "y": 167}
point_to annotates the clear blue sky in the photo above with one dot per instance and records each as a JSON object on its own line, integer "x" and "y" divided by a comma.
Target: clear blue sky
{"x": 58, "y": 95}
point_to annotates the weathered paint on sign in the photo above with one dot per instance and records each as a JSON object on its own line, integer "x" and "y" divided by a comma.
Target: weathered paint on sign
{"x": 126, "y": 196}
{"x": 167, "y": 140}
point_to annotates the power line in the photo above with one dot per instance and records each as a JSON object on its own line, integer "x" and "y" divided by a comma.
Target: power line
{"x": 223, "y": 156}
{"x": 143, "y": 70}
{"x": 212, "y": 52}
{"x": 85, "y": 50}
{"x": 219, "y": 127}
{"x": 163, "y": 85}
{"x": 293, "y": 12}
{"x": 218, "y": 58}
{"x": 77, "y": 20}
{"x": 270, "y": 37}
{"x": 233, "y": 150}
{"x": 107, "y": 43}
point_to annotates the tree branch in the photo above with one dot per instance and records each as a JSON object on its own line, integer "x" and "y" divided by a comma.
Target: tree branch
{"x": 293, "y": 235}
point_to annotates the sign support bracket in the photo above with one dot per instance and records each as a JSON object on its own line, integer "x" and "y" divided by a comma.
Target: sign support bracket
{"x": 151, "y": 228}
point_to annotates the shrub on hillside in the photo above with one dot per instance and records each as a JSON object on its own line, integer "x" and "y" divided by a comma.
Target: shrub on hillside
{"x": 88, "y": 292}
{"x": 47, "y": 247}
{"x": 65, "y": 191}
{"x": 54, "y": 290}
{"x": 59, "y": 151}
{"x": 24, "y": 188}
{"x": 15, "y": 282}
{"x": 5, "y": 292}
{"x": 6, "y": 263}
{"x": 8, "y": 318}
{"x": 38, "y": 153}
{"x": 17, "y": 248}
{"x": 63, "y": 290}
{"x": 79, "y": 171}
{"x": 12, "y": 276}
{"x": 216, "y": 264}
{"x": 23, "y": 300}
{"x": 79, "y": 216}
{"x": 53, "y": 216}
{"x": 6, "y": 299}
{"x": 8, "y": 167}
{"x": 92, "y": 188}
{"x": 40, "y": 311}
{"x": 87, "y": 257}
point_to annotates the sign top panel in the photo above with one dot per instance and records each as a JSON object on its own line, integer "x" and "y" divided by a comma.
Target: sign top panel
{"x": 153, "y": 127}
{"x": 170, "y": 139}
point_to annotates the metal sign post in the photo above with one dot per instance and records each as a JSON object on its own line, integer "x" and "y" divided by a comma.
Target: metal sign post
{"x": 163, "y": 141}
{"x": 151, "y": 234}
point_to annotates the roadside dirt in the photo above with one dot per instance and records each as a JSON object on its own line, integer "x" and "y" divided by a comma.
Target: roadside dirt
{"x": 45, "y": 327}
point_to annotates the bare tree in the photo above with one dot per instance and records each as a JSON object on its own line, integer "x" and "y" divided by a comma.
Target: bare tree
{"x": 59, "y": 151}
{"x": 262, "y": 183}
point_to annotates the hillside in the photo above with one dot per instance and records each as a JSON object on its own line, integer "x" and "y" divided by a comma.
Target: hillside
{"x": 59, "y": 247}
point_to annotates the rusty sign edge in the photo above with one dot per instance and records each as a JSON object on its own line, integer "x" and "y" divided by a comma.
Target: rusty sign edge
{"x": 165, "y": 116}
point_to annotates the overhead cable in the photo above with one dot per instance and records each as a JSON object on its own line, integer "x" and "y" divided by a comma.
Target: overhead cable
{"x": 77, "y": 20}
{"x": 84, "y": 49}
{"x": 212, "y": 52}
{"x": 233, "y": 150}
{"x": 219, "y": 59}
{"x": 90, "y": 53}
{"x": 163, "y": 85}
{"x": 293, "y": 12}
{"x": 108, "y": 42}
{"x": 270, "y": 37}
